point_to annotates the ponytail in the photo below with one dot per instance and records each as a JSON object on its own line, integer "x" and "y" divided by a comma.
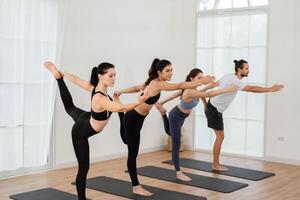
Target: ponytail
{"x": 94, "y": 77}
{"x": 157, "y": 65}
{"x": 152, "y": 74}
{"x": 101, "y": 69}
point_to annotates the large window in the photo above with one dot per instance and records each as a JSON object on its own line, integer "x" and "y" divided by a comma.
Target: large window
{"x": 27, "y": 39}
{"x": 229, "y": 30}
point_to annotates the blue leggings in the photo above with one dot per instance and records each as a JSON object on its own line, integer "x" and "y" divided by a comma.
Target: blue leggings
{"x": 176, "y": 120}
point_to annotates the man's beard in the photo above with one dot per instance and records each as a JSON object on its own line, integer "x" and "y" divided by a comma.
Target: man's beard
{"x": 244, "y": 75}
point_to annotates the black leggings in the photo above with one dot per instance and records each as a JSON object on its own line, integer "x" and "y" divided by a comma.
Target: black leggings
{"x": 81, "y": 131}
{"x": 166, "y": 124}
{"x": 122, "y": 128}
{"x": 133, "y": 123}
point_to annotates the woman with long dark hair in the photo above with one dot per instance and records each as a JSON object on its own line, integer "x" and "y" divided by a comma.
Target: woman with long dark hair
{"x": 90, "y": 123}
{"x": 131, "y": 123}
{"x": 189, "y": 98}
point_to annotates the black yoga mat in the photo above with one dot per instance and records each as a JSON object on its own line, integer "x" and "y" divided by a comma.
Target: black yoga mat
{"x": 238, "y": 172}
{"x": 124, "y": 189}
{"x": 44, "y": 194}
{"x": 205, "y": 182}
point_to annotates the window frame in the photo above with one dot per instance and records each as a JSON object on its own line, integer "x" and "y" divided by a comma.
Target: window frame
{"x": 230, "y": 11}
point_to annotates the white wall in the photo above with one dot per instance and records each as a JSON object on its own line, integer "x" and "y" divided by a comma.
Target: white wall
{"x": 128, "y": 34}
{"x": 282, "y": 131}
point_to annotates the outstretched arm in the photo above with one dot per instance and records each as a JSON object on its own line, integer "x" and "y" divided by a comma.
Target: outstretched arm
{"x": 162, "y": 85}
{"x": 210, "y": 86}
{"x": 116, "y": 105}
{"x": 258, "y": 89}
{"x": 133, "y": 89}
{"x": 171, "y": 97}
{"x": 78, "y": 81}
{"x": 201, "y": 94}
{"x": 159, "y": 105}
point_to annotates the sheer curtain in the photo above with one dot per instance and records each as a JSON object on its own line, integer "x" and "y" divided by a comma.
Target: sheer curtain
{"x": 28, "y": 37}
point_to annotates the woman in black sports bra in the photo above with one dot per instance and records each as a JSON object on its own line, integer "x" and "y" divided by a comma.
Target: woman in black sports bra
{"x": 86, "y": 123}
{"x": 132, "y": 121}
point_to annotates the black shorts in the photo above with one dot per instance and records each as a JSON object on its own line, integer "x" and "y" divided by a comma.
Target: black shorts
{"x": 214, "y": 118}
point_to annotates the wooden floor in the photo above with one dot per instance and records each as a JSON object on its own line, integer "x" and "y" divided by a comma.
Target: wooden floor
{"x": 284, "y": 186}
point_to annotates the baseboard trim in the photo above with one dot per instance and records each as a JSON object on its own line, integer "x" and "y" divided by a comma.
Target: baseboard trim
{"x": 266, "y": 158}
{"x": 282, "y": 160}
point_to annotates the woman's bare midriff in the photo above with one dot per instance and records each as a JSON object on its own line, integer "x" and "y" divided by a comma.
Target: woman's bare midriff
{"x": 98, "y": 126}
{"x": 143, "y": 109}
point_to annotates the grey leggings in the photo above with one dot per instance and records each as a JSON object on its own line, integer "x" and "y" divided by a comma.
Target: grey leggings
{"x": 176, "y": 119}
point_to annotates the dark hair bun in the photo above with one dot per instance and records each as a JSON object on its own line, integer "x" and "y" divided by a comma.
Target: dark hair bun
{"x": 235, "y": 61}
{"x": 156, "y": 60}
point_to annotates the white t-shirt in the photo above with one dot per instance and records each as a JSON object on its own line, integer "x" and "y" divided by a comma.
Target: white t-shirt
{"x": 221, "y": 102}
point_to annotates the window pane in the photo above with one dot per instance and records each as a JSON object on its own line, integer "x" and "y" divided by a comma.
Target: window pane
{"x": 34, "y": 24}
{"x": 205, "y": 60}
{"x": 257, "y": 65}
{"x": 203, "y": 133}
{"x": 222, "y": 62}
{"x": 222, "y": 31}
{"x": 235, "y": 133}
{"x": 259, "y": 2}
{"x": 206, "y": 4}
{"x": 11, "y": 148}
{"x": 11, "y": 69}
{"x": 237, "y": 54}
{"x": 205, "y": 32}
{"x": 258, "y": 29}
{"x": 256, "y": 106}
{"x": 237, "y": 109}
{"x": 240, "y": 30}
{"x": 240, "y": 3}
{"x": 37, "y": 98}
{"x": 34, "y": 145}
{"x": 34, "y": 56}
{"x": 10, "y": 13}
{"x": 11, "y": 104}
{"x": 224, "y": 4}
{"x": 255, "y": 138}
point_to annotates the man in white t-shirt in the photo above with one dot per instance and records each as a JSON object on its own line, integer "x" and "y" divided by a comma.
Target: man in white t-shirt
{"x": 215, "y": 107}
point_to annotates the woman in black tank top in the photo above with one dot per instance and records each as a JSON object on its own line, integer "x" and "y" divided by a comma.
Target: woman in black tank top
{"x": 132, "y": 121}
{"x": 86, "y": 123}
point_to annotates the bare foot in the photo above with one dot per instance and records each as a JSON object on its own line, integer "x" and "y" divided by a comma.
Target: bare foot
{"x": 141, "y": 191}
{"x": 220, "y": 168}
{"x": 182, "y": 177}
{"x": 51, "y": 67}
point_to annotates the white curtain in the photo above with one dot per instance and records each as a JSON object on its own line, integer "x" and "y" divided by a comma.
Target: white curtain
{"x": 28, "y": 37}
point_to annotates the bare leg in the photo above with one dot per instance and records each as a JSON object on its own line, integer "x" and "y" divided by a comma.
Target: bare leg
{"x": 217, "y": 150}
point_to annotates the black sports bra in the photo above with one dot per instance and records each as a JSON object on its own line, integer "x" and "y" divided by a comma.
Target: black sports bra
{"x": 100, "y": 116}
{"x": 152, "y": 100}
